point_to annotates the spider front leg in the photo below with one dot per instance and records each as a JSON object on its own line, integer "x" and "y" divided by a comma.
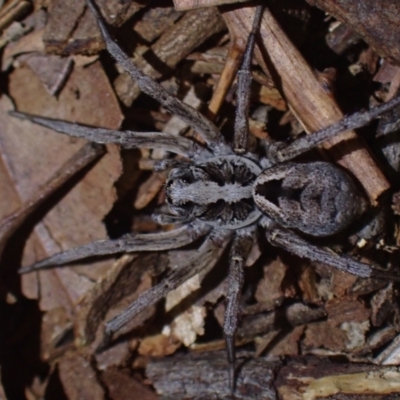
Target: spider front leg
{"x": 202, "y": 261}
{"x": 127, "y": 244}
{"x": 192, "y": 117}
{"x": 243, "y": 90}
{"x": 294, "y": 244}
{"x": 127, "y": 139}
{"x": 279, "y": 153}
{"x": 240, "y": 250}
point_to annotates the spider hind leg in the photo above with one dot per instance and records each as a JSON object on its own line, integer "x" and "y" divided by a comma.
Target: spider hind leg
{"x": 240, "y": 250}
{"x": 202, "y": 261}
{"x": 128, "y": 243}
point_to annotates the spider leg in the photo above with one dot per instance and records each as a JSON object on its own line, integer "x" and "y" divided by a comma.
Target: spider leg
{"x": 243, "y": 90}
{"x": 127, "y": 139}
{"x": 203, "y": 260}
{"x": 192, "y": 117}
{"x": 294, "y": 244}
{"x": 127, "y": 244}
{"x": 240, "y": 250}
{"x": 279, "y": 153}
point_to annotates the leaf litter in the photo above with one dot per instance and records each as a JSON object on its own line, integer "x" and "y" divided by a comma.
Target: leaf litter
{"x": 290, "y": 309}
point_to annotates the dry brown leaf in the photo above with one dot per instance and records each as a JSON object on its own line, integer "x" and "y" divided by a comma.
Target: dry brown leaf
{"x": 269, "y": 290}
{"x": 122, "y": 386}
{"x": 79, "y": 378}
{"x": 32, "y": 154}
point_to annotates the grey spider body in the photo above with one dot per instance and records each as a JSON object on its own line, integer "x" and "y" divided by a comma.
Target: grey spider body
{"x": 231, "y": 192}
{"x": 222, "y": 193}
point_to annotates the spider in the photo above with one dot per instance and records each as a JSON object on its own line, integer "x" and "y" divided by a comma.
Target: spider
{"x": 222, "y": 193}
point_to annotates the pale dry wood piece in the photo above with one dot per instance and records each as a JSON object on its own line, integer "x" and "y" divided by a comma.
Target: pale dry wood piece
{"x": 79, "y": 160}
{"x": 173, "y": 46}
{"x": 236, "y": 50}
{"x": 11, "y": 11}
{"x": 376, "y": 22}
{"x": 317, "y": 378}
{"x": 391, "y": 354}
{"x": 308, "y": 99}
{"x": 158, "y": 345}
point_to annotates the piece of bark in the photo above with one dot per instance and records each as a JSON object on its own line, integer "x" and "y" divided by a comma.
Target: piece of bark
{"x": 149, "y": 189}
{"x": 173, "y": 46}
{"x": 79, "y": 378}
{"x": 205, "y": 376}
{"x": 383, "y": 303}
{"x": 269, "y": 291}
{"x": 307, "y": 97}
{"x": 376, "y": 22}
{"x": 341, "y": 38}
{"x": 155, "y": 21}
{"x": 121, "y": 386}
{"x": 200, "y": 376}
{"x": 72, "y": 28}
{"x": 287, "y": 317}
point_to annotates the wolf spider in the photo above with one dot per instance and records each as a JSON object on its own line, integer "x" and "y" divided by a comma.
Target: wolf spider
{"x": 222, "y": 192}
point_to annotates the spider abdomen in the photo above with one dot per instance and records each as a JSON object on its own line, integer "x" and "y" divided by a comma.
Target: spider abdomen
{"x": 218, "y": 191}
{"x": 317, "y": 198}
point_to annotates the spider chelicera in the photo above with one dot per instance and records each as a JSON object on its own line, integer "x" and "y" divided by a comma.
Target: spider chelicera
{"x": 222, "y": 193}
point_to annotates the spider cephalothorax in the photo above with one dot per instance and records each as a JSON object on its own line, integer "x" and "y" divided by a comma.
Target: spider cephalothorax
{"x": 220, "y": 192}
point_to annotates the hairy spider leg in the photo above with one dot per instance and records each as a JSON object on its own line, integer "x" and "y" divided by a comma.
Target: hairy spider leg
{"x": 278, "y": 153}
{"x": 129, "y": 243}
{"x": 127, "y": 139}
{"x": 192, "y": 117}
{"x": 240, "y": 250}
{"x": 241, "y": 130}
{"x": 291, "y": 242}
{"x": 202, "y": 261}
